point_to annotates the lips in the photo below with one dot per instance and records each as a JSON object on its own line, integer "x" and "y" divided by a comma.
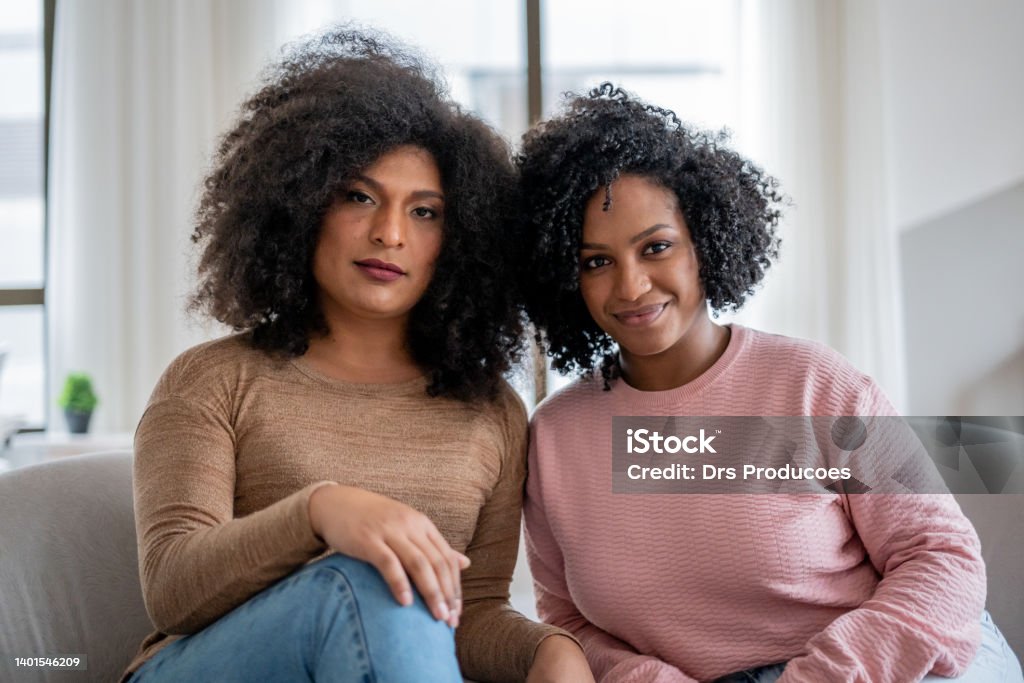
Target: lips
{"x": 376, "y": 269}
{"x": 638, "y": 317}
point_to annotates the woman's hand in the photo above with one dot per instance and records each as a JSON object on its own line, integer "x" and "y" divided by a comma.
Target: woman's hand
{"x": 559, "y": 659}
{"x": 396, "y": 539}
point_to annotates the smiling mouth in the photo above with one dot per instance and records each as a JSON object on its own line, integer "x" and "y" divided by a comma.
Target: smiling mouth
{"x": 638, "y": 317}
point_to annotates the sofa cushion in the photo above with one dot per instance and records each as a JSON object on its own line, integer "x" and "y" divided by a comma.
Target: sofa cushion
{"x": 69, "y": 578}
{"x": 999, "y": 520}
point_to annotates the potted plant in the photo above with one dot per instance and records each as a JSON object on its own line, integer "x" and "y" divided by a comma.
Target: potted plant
{"x": 78, "y": 401}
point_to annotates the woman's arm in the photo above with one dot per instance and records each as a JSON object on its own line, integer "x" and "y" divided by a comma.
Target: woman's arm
{"x": 611, "y": 660}
{"x": 493, "y": 641}
{"x": 925, "y": 613}
{"x": 197, "y": 561}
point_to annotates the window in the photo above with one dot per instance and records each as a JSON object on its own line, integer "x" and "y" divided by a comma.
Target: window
{"x": 22, "y": 224}
{"x": 479, "y": 45}
{"x": 682, "y": 55}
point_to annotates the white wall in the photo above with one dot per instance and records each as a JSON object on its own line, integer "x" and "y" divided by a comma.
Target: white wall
{"x": 962, "y": 284}
{"x": 954, "y": 103}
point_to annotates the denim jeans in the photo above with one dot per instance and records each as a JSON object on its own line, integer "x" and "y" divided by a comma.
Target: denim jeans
{"x": 994, "y": 663}
{"x": 332, "y": 620}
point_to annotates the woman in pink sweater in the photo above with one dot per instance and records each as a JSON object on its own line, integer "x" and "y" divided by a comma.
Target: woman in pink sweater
{"x": 638, "y": 226}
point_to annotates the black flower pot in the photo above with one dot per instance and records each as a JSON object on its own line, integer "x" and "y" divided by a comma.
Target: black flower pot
{"x": 78, "y": 422}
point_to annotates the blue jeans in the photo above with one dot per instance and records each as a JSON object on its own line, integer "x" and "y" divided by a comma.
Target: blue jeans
{"x": 994, "y": 663}
{"x": 332, "y": 620}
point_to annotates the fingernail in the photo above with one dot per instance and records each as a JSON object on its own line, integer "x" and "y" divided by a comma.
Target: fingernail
{"x": 442, "y": 609}
{"x": 405, "y": 599}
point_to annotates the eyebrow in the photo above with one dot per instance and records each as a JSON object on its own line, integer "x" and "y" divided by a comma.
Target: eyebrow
{"x": 418, "y": 194}
{"x": 632, "y": 240}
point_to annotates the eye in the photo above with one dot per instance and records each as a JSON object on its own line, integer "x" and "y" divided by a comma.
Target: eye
{"x": 595, "y": 262}
{"x": 424, "y": 212}
{"x": 359, "y": 197}
{"x": 656, "y": 248}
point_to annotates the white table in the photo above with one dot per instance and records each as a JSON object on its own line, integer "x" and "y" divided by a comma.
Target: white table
{"x": 30, "y": 448}
{"x": 9, "y": 424}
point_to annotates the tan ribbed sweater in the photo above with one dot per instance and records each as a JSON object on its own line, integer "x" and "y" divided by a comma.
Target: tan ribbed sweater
{"x": 232, "y": 444}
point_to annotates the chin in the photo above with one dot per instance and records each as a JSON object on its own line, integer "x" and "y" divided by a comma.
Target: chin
{"x": 642, "y": 349}
{"x": 386, "y": 313}
{"x": 385, "y": 308}
{"x": 639, "y": 344}
{"x": 644, "y": 352}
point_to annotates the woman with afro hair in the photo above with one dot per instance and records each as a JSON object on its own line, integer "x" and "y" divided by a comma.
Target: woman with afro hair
{"x": 637, "y": 226}
{"x": 334, "y": 491}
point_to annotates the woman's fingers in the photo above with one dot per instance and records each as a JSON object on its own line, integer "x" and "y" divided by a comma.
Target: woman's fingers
{"x": 390, "y": 567}
{"x": 421, "y": 570}
{"x": 440, "y": 555}
{"x": 447, "y": 579}
{"x": 455, "y": 561}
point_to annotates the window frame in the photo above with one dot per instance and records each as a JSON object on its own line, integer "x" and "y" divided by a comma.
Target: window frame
{"x": 10, "y": 296}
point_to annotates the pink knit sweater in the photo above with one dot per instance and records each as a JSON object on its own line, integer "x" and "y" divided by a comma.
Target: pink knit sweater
{"x": 871, "y": 587}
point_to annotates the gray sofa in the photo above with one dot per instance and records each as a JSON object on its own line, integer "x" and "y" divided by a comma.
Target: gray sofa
{"x": 69, "y": 569}
{"x": 69, "y": 574}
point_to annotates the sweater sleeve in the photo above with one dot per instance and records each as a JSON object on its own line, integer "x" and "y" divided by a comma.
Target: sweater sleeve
{"x": 494, "y": 643}
{"x": 925, "y": 613}
{"x": 197, "y": 561}
{"x": 610, "y": 659}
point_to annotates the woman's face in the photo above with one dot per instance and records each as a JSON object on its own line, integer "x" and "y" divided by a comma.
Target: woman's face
{"x": 639, "y": 274}
{"x": 379, "y": 242}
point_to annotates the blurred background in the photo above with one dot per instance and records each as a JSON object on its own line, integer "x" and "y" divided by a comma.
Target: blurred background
{"x": 894, "y": 127}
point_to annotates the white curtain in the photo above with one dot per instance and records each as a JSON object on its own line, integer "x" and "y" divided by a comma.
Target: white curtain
{"x": 141, "y": 91}
{"x": 812, "y": 114}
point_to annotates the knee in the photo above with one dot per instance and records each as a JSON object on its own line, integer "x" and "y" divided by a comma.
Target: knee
{"x": 363, "y": 583}
{"x": 357, "y": 585}
{"x": 355, "y": 617}
{"x": 349, "y": 568}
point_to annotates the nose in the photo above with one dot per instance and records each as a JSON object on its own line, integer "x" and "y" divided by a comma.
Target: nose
{"x": 631, "y": 282}
{"x": 388, "y": 228}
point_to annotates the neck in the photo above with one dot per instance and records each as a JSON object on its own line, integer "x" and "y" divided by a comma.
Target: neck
{"x": 684, "y": 362}
{"x": 365, "y": 351}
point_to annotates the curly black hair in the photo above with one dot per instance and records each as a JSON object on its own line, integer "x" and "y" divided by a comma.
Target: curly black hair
{"x": 730, "y": 206}
{"x": 331, "y": 108}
